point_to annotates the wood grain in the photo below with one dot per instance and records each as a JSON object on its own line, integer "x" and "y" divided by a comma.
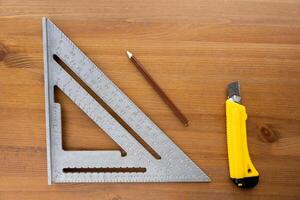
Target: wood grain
{"x": 192, "y": 49}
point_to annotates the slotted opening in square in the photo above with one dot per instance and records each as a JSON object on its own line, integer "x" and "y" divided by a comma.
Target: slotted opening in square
{"x": 106, "y": 107}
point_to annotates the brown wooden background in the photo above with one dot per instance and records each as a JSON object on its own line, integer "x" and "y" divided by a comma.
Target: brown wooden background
{"x": 193, "y": 49}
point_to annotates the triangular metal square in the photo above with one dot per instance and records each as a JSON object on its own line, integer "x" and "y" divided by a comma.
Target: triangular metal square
{"x": 104, "y": 166}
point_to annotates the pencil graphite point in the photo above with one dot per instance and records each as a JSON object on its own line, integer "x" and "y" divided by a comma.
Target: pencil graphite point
{"x": 129, "y": 54}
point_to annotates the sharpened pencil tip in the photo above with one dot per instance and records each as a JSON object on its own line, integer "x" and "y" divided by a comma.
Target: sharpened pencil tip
{"x": 129, "y": 54}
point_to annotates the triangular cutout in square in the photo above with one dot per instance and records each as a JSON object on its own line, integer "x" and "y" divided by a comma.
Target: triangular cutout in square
{"x": 79, "y": 132}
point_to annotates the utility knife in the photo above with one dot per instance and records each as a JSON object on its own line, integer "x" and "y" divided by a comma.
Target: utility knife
{"x": 242, "y": 171}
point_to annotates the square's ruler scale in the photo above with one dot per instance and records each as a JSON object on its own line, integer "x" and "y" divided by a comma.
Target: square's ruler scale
{"x": 104, "y": 166}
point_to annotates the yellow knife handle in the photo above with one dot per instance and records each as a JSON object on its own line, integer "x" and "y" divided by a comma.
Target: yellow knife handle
{"x": 242, "y": 171}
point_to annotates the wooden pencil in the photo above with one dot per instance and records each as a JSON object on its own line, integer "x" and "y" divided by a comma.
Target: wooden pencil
{"x": 156, "y": 87}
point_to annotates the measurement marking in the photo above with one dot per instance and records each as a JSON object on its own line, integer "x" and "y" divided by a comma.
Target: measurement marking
{"x": 107, "y": 108}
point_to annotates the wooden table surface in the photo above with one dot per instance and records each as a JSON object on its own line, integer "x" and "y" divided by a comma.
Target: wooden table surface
{"x": 193, "y": 49}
